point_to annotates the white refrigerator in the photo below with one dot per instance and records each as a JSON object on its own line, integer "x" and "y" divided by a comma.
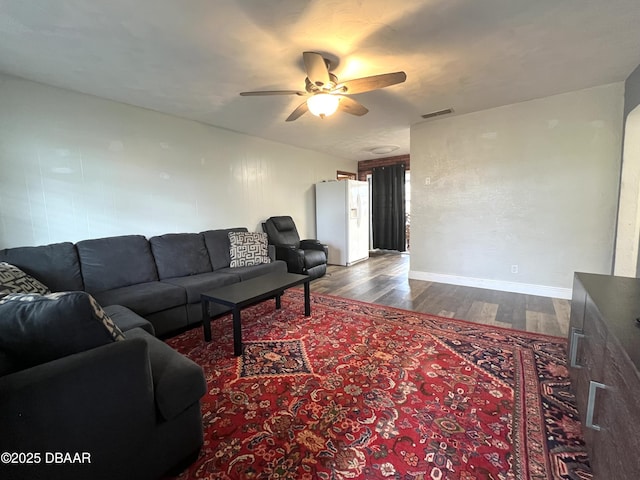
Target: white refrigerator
{"x": 342, "y": 220}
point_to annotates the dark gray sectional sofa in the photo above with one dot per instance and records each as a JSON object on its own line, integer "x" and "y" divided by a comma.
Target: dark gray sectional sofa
{"x": 159, "y": 278}
{"x": 131, "y": 405}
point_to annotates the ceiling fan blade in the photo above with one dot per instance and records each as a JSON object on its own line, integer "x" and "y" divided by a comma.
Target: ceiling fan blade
{"x": 273, "y": 92}
{"x": 316, "y": 67}
{"x": 298, "y": 112}
{"x": 349, "y": 105}
{"x": 366, "y": 84}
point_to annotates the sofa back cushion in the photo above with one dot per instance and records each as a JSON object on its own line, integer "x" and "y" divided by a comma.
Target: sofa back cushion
{"x": 114, "y": 262}
{"x": 180, "y": 254}
{"x": 57, "y": 265}
{"x": 218, "y": 245}
{"x": 282, "y": 231}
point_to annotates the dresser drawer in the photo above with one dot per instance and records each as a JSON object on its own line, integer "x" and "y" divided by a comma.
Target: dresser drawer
{"x": 617, "y": 413}
{"x": 589, "y": 356}
{"x": 591, "y": 346}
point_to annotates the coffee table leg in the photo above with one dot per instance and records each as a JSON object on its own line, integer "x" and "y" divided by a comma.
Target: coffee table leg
{"x": 237, "y": 332}
{"x": 307, "y": 300}
{"x": 206, "y": 320}
{"x": 278, "y": 303}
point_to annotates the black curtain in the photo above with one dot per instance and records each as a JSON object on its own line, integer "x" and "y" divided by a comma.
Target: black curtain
{"x": 387, "y": 208}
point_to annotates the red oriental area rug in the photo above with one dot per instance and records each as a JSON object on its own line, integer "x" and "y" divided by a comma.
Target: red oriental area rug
{"x": 364, "y": 391}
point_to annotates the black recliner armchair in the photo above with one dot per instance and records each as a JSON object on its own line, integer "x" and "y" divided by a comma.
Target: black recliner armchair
{"x": 306, "y": 257}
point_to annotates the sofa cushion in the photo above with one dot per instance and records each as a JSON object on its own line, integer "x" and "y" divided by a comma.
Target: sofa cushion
{"x": 56, "y": 265}
{"x": 180, "y": 254}
{"x": 39, "y": 328}
{"x": 218, "y": 246}
{"x": 14, "y": 280}
{"x": 168, "y": 322}
{"x": 144, "y": 298}
{"x": 177, "y": 381}
{"x": 248, "y": 249}
{"x": 197, "y": 284}
{"x": 115, "y": 262}
{"x": 245, "y": 273}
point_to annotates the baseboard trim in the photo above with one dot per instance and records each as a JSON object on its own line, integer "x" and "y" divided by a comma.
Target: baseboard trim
{"x": 514, "y": 287}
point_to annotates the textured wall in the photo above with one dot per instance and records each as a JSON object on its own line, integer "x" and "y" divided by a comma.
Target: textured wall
{"x": 532, "y": 184}
{"x": 74, "y": 166}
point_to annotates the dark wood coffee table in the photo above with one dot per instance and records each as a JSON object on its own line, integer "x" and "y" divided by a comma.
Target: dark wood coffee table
{"x": 248, "y": 292}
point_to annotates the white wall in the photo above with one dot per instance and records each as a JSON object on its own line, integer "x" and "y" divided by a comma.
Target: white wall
{"x": 74, "y": 166}
{"x": 532, "y": 184}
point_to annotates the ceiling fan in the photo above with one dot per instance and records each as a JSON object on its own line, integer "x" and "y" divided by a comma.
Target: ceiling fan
{"x": 326, "y": 94}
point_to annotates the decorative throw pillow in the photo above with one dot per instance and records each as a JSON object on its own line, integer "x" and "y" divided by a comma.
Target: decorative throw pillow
{"x": 248, "y": 248}
{"x": 35, "y": 329}
{"x": 14, "y": 280}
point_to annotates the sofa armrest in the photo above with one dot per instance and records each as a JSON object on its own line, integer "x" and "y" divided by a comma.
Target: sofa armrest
{"x": 314, "y": 245}
{"x": 293, "y": 256}
{"x": 99, "y": 401}
{"x": 126, "y": 319}
{"x": 177, "y": 381}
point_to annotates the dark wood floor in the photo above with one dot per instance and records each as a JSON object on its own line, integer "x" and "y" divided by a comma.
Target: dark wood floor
{"x": 383, "y": 279}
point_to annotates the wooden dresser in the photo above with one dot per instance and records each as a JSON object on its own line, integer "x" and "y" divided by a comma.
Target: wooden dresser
{"x": 604, "y": 362}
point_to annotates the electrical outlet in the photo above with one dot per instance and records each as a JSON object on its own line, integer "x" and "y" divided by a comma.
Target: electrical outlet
{"x": 514, "y": 268}
{"x": 427, "y": 181}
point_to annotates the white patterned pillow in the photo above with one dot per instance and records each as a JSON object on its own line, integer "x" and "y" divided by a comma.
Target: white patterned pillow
{"x": 14, "y": 280}
{"x": 248, "y": 248}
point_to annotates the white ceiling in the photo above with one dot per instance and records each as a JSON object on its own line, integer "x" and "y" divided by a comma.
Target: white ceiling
{"x": 191, "y": 58}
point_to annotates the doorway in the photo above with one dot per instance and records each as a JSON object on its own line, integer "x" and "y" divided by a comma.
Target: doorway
{"x": 407, "y": 215}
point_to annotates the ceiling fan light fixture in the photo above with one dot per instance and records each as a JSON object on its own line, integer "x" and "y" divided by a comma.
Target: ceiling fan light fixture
{"x": 325, "y": 94}
{"x": 323, "y": 104}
